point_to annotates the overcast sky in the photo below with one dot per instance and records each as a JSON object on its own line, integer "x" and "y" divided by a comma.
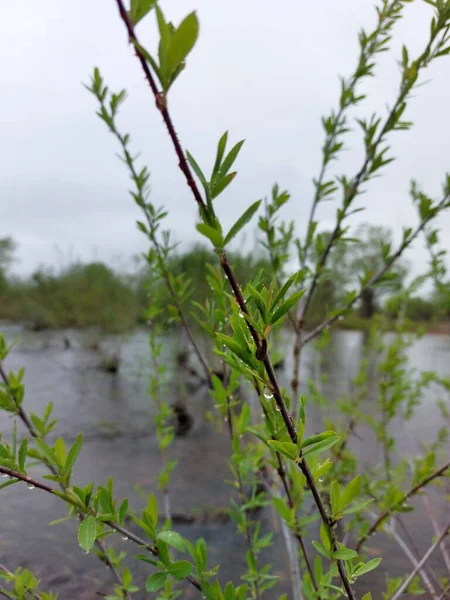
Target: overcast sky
{"x": 266, "y": 71}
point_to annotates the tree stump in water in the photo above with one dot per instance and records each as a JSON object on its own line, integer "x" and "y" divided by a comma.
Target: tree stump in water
{"x": 183, "y": 420}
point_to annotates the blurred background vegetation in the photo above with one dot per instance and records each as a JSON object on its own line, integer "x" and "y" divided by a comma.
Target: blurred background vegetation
{"x": 95, "y": 295}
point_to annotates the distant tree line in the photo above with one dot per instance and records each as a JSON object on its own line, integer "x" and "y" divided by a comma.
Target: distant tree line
{"x": 95, "y": 295}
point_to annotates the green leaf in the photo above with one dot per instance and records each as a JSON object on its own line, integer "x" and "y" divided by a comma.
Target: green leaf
{"x": 23, "y": 453}
{"x": 182, "y": 42}
{"x": 282, "y": 509}
{"x": 212, "y": 234}
{"x": 139, "y": 8}
{"x": 152, "y": 509}
{"x": 146, "y": 558}
{"x": 123, "y": 510}
{"x": 350, "y": 493}
{"x": 172, "y": 538}
{"x": 220, "y": 152}
{"x": 241, "y": 222}
{"x": 344, "y": 554}
{"x": 60, "y": 451}
{"x": 367, "y": 596}
{"x": 369, "y": 566}
{"x": 156, "y": 582}
{"x": 180, "y": 569}
{"x": 357, "y": 507}
{"x": 150, "y": 59}
{"x": 286, "y": 448}
{"x": 222, "y": 184}
{"x": 326, "y": 536}
{"x": 320, "y": 446}
{"x": 74, "y": 452}
{"x": 286, "y": 306}
{"x": 335, "y": 495}
{"x": 259, "y": 301}
{"x": 229, "y": 160}
{"x": 283, "y": 290}
{"x": 196, "y": 169}
{"x": 87, "y": 533}
{"x": 235, "y": 348}
{"x": 46, "y": 451}
{"x": 320, "y": 549}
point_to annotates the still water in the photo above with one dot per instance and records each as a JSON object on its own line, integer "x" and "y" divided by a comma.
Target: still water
{"x": 116, "y": 417}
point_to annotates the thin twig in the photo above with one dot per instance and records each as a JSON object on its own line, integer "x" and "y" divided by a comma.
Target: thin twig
{"x": 248, "y": 536}
{"x": 432, "y": 517}
{"x": 5, "y": 592}
{"x": 387, "y": 513}
{"x": 445, "y": 593}
{"x": 414, "y": 561}
{"x": 113, "y": 525}
{"x": 27, "y": 422}
{"x": 315, "y": 332}
{"x": 421, "y": 563}
{"x": 429, "y": 571}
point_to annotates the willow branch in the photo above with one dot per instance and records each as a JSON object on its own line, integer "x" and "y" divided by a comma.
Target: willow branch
{"x": 27, "y": 422}
{"x": 5, "y": 592}
{"x": 161, "y": 105}
{"x": 377, "y": 276}
{"x": 387, "y": 513}
{"x": 112, "y": 524}
{"x": 421, "y": 563}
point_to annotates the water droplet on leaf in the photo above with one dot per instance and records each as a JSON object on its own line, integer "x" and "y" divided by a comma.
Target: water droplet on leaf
{"x": 30, "y": 486}
{"x": 267, "y": 394}
{"x": 320, "y": 479}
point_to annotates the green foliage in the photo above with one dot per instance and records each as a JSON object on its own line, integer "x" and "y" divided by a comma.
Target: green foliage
{"x": 241, "y": 301}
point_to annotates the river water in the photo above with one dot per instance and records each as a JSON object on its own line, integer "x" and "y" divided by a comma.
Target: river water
{"x": 116, "y": 417}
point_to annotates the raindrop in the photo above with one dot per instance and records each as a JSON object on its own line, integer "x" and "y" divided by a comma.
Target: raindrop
{"x": 241, "y": 314}
{"x": 277, "y": 408}
{"x": 320, "y": 479}
{"x": 334, "y": 526}
{"x": 30, "y": 486}
{"x": 263, "y": 415}
{"x": 341, "y": 318}
{"x": 4, "y": 474}
{"x": 268, "y": 394}
{"x": 125, "y": 538}
{"x": 225, "y": 420}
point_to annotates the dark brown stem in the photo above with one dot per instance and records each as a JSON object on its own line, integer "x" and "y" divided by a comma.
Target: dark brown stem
{"x": 161, "y": 104}
{"x": 387, "y": 513}
{"x": 162, "y": 107}
{"x": 125, "y": 533}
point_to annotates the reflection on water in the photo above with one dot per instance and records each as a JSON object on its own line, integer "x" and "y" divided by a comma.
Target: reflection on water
{"x": 116, "y": 416}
